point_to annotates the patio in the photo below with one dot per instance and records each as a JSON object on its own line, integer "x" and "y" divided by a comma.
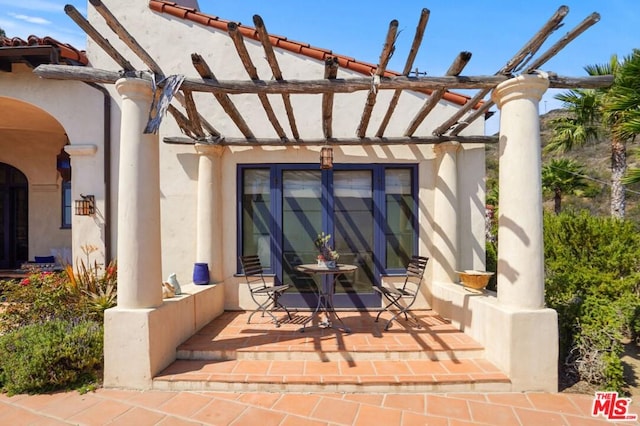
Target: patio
{"x": 229, "y": 354}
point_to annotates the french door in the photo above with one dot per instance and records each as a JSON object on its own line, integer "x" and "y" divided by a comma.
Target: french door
{"x": 369, "y": 210}
{"x": 339, "y": 203}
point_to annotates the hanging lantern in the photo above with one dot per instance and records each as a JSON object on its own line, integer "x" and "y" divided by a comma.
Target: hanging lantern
{"x": 85, "y": 206}
{"x": 326, "y": 158}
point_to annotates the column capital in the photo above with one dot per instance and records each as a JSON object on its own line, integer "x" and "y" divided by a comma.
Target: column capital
{"x": 449, "y": 146}
{"x": 81, "y": 150}
{"x": 134, "y": 88}
{"x": 207, "y": 149}
{"x": 526, "y": 86}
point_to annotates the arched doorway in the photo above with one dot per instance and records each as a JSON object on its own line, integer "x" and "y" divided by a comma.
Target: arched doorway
{"x": 14, "y": 217}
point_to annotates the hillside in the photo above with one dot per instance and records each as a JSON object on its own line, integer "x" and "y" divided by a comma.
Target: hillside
{"x": 596, "y": 159}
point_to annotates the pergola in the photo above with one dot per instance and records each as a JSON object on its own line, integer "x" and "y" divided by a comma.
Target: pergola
{"x": 516, "y": 88}
{"x": 198, "y": 130}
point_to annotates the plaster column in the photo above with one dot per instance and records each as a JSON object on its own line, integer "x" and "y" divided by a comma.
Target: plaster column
{"x": 445, "y": 213}
{"x": 139, "y": 251}
{"x": 87, "y": 230}
{"x": 520, "y": 240}
{"x": 208, "y": 215}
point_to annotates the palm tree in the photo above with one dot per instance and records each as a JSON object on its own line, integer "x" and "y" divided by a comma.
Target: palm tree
{"x": 562, "y": 177}
{"x": 623, "y": 105}
{"x": 588, "y": 117}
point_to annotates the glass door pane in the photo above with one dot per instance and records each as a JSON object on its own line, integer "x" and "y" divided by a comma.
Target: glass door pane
{"x": 354, "y": 234}
{"x": 301, "y": 223}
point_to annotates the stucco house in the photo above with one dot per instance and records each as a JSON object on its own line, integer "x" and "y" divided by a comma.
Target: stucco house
{"x": 236, "y": 177}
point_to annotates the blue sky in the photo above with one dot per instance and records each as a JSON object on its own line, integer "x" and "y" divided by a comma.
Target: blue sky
{"x": 493, "y": 31}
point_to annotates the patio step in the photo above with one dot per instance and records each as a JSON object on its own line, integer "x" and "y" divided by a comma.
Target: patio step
{"x": 231, "y": 355}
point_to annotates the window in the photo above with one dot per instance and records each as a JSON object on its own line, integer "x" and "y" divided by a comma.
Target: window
{"x": 66, "y": 204}
{"x": 371, "y": 210}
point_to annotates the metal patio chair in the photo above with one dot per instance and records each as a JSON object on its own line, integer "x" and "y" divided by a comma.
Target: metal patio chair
{"x": 407, "y": 293}
{"x": 265, "y": 296}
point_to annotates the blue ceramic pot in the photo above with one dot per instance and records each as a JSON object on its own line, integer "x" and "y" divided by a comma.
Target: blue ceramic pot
{"x": 200, "y": 273}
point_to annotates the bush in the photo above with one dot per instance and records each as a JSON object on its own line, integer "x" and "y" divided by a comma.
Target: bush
{"x": 58, "y": 354}
{"x": 592, "y": 281}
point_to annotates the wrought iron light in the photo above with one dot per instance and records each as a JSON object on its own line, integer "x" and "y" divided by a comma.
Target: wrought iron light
{"x": 326, "y": 157}
{"x": 85, "y": 206}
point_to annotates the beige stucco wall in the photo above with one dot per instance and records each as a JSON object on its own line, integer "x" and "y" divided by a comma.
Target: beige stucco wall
{"x": 170, "y": 42}
{"x": 76, "y": 108}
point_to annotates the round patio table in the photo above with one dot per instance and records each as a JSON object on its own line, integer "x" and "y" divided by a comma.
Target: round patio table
{"x": 325, "y": 293}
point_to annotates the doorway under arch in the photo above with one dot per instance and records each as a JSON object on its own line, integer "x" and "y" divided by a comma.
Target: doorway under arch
{"x": 14, "y": 217}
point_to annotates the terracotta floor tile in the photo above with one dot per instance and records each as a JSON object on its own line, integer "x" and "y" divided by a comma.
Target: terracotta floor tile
{"x": 491, "y": 414}
{"x": 411, "y": 402}
{"x": 301, "y": 421}
{"x": 321, "y": 368}
{"x": 415, "y": 419}
{"x": 138, "y": 417}
{"x": 425, "y": 367}
{"x": 219, "y": 412}
{"x": 448, "y": 407}
{"x": 251, "y": 367}
{"x": 264, "y": 399}
{"x": 391, "y": 367}
{"x": 73, "y": 404}
{"x": 460, "y": 366}
{"x": 371, "y": 399}
{"x": 297, "y": 404}
{"x": 558, "y": 403}
{"x": 185, "y": 404}
{"x": 357, "y": 368}
{"x": 336, "y": 411}
{"x": 256, "y": 416}
{"x": 96, "y": 414}
{"x": 535, "y": 418}
{"x": 287, "y": 367}
{"x": 515, "y": 399}
{"x": 369, "y": 415}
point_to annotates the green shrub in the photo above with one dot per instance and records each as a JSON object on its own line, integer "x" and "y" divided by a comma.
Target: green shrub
{"x": 58, "y": 354}
{"x": 41, "y": 297}
{"x": 592, "y": 281}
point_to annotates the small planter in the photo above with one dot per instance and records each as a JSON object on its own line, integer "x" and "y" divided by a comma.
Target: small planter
{"x": 476, "y": 280}
{"x": 200, "y": 273}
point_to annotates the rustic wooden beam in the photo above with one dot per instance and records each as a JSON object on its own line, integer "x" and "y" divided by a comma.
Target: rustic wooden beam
{"x": 385, "y": 55}
{"x": 413, "y": 52}
{"x": 367, "y": 141}
{"x": 275, "y": 69}
{"x": 330, "y": 73}
{"x": 456, "y": 68}
{"x": 90, "y": 30}
{"x": 205, "y": 72}
{"x": 588, "y": 22}
{"x": 313, "y": 87}
{"x": 534, "y": 44}
{"x": 127, "y": 38}
{"x": 183, "y": 122}
{"x": 527, "y": 51}
{"x": 192, "y": 113}
{"x": 238, "y": 41}
{"x": 207, "y": 126}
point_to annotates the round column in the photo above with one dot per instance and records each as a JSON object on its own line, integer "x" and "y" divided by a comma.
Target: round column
{"x": 139, "y": 250}
{"x": 520, "y": 241}
{"x": 209, "y": 210}
{"x": 445, "y": 213}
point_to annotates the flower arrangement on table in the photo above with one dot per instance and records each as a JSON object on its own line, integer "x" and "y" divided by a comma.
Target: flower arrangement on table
{"x": 327, "y": 256}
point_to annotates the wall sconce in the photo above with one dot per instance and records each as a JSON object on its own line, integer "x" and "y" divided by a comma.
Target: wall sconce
{"x": 86, "y": 206}
{"x": 326, "y": 157}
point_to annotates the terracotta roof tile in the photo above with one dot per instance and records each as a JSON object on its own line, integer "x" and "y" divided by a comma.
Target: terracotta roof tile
{"x": 68, "y": 53}
{"x": 174, "y": 9}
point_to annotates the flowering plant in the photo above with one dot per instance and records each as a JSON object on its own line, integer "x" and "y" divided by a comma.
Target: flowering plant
{"x": 326, "y": 252}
